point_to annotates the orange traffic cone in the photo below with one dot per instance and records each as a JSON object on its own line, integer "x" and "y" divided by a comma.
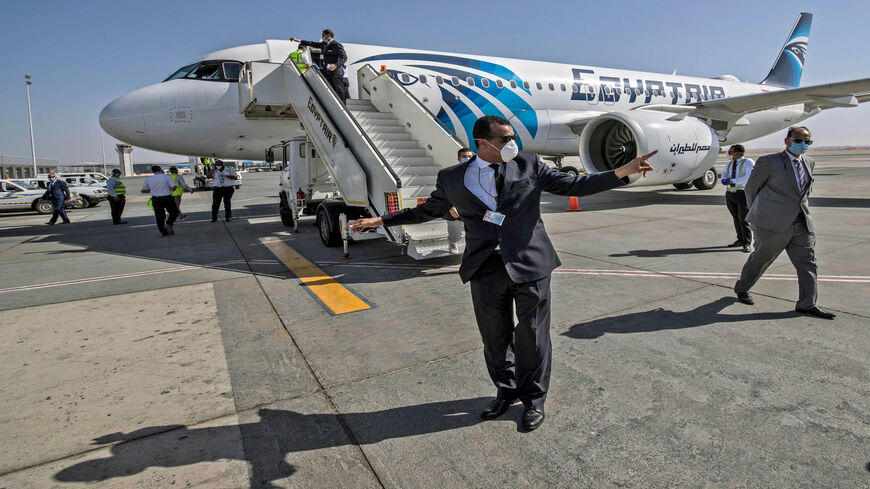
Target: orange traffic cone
{"x": 573, "y": 205}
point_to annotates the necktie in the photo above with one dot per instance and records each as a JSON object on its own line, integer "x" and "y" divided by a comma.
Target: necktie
{"x": 733, "y": 169}
{"x": 802, "y": 174}
{"x": 499, "y": 178}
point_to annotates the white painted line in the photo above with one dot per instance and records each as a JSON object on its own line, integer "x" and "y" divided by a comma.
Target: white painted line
{"x": 629, "y": 273}
{"x": 261, "y": 220}
{"x": 133, "y": 274}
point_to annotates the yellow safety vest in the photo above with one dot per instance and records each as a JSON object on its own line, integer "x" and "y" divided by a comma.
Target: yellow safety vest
{"x": 179, "y": 190}
{"x": 119, "y": 188}
{"x": 296, "y": 57}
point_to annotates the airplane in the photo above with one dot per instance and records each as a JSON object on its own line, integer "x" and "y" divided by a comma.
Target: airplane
{"x": 605, "y": 116}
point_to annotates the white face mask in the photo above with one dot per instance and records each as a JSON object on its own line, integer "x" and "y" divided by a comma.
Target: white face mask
{"x": 464, "y": 159}
{"x": 508, "y": 152}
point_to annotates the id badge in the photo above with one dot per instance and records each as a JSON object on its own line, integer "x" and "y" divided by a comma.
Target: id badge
{"x": 496, "y": 218}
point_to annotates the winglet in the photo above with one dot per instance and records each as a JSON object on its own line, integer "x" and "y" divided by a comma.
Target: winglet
{"x": 789, "y": 65}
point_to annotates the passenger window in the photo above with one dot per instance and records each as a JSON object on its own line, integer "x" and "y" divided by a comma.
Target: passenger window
{"x": 439, "y": 80}
{"x": 563, "y": 87}
{"x": 422, "y": 78}
{"x": 499, "y": 84}
{"x": 470, "y": 81}
{"x": 526, "y": 85}
{"x": 455, "y": 81}
{"x": 540, "y": 87}
{"x": 484, "y": 83}
{"x": 404, "y": 77}
{"x": 513, "y": 84}
{"x": 575, "y": 87}
{"x": 550, "y": 86}
{"x": 232, "y": 71}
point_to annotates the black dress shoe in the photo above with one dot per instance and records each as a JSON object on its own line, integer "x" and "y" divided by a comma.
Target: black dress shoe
{"x": 533, "y": 417}
{"x": 747, "y": 248}
{"x": 815, "y": 311}
{"x": 496, "y": 408}
{"x": 745, "y": 298}
{"x": 736, "y": 244}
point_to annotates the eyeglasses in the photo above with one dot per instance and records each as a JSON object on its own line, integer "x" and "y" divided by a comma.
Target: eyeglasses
{"x": 799, "y": 141}
{"x": 504, "y": 139}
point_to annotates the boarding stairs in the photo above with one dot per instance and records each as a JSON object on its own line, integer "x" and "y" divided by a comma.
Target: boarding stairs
{"x": 383, "y": 149}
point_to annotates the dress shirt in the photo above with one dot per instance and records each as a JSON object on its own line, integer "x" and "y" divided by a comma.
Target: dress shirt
{"x": 480, "y": 180}
{"x": 748, "y": 165}
{"x": 220, "y": 177}
{"x": 159, "y": 184}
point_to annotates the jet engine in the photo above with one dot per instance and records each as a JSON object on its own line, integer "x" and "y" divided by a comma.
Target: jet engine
{"x": 687, "y": 146}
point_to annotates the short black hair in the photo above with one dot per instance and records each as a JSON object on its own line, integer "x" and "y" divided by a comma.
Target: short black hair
{"x": 483, "y": 126}
{"x": 327, "y": 32}
{"x": 156, "y": 169}
{"x": 738, "y": 148}
{"x": 795, "y": 128}
{"x": 173, "y": 169}
{"x": 464, "y": 150}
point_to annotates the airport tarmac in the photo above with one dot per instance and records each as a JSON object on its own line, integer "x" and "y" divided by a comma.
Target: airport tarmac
{"x": 242, "y": 355}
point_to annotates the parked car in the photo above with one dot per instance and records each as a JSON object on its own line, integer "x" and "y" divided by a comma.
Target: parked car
{"x": 91, "y": 195}
{"x": 17, "y": 195}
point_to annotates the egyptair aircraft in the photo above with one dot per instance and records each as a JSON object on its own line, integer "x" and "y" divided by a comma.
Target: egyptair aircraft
{"x": 606, "y": 116}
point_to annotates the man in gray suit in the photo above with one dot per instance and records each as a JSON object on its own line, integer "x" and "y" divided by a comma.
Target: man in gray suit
{"x": 777, "y": 195}
{"x": 508, "y": 257}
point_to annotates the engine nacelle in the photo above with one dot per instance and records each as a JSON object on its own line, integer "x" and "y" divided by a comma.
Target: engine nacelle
{"x": 687, "y": 146}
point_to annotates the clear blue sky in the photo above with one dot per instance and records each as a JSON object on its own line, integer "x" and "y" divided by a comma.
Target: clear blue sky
{"x": 84, "y": 54}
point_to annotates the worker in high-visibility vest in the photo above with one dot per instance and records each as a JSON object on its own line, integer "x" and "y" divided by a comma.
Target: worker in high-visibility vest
{"x": 301, "y": 58}
{"x": 180, "y": 187}
{"x": 117, "y": 196}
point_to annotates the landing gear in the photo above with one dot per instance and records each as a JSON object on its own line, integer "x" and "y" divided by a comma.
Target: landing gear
{"x": 706, "y": 181}
{"x": 570, "y": 170}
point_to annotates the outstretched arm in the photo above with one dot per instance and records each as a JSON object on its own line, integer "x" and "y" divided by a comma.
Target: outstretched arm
{"x": 560, "y": 183}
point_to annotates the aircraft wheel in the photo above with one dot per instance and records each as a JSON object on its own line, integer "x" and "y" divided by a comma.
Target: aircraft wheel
{"x": 706, "y": 181}
{"x": 570, "y": 170}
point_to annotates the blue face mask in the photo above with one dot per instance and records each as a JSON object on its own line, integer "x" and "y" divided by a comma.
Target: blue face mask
{"x": 798, "y": 148}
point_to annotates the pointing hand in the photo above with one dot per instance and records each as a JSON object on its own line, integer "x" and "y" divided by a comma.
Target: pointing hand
{"x": 637, "y": 165}
{"x": 360, "y": 225}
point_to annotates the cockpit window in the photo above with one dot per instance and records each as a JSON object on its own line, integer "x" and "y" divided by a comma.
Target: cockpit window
{"x": 212, "y": 70}
{"x": 232, "y": 70}
{"x": 206, "y": 71}
{"x": 182, "y": 72}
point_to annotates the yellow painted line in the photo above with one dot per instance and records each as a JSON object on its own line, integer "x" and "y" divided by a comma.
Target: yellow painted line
{"x": 332, "y": 294}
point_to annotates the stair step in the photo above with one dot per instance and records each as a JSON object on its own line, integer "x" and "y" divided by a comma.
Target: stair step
{"x": 379, "y": 130}
{"x": 379, "y": 123}
{"x": 411, "y": 161}
{"x": 356, "y": 102}
{"x": 402, "y": 152}
{"x": 393, "y": 137}
{"x": 430, "y": 170}
{"x": 364, "y": 114}
{"x": 417, "y": 180}
{"x": 414, "y": 192}
{"x": 392, "y": 144}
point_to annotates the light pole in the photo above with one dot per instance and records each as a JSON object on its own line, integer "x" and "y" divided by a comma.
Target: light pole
{"x": 103, "y": 150}
{"x": 30, "y": 120}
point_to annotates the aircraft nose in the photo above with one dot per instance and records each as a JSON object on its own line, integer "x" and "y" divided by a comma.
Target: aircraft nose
{"x": 124, "y": 119}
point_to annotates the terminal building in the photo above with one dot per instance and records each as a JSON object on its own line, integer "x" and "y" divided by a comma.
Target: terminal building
{"x": 22, "y": 166}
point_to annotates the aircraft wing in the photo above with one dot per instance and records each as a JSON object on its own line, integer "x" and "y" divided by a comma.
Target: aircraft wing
{"x": 827, "y": 96}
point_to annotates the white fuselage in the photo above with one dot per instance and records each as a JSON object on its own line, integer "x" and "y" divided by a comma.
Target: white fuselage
{"x": 203, "y": 117}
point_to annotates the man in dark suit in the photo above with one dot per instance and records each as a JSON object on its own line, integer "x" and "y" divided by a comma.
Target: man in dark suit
{"x": 508, "y": 257}
{"x": 777, "y": 194}
{"x": 58, "y": 192}
{"x": 332, "y": 60}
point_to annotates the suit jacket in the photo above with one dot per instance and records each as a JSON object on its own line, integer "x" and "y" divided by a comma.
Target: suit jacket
{"x": 332, "y": 54}
{"x": 58, "y": 190}
{"x": 772, "y": 193}
{"x": 525, "y": 247}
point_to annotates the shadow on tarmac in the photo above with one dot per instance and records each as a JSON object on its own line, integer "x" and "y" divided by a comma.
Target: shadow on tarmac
{"x": 674, "y": 251}
{"x": 662, "y": 319}
{"x": 267, "y": 443}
